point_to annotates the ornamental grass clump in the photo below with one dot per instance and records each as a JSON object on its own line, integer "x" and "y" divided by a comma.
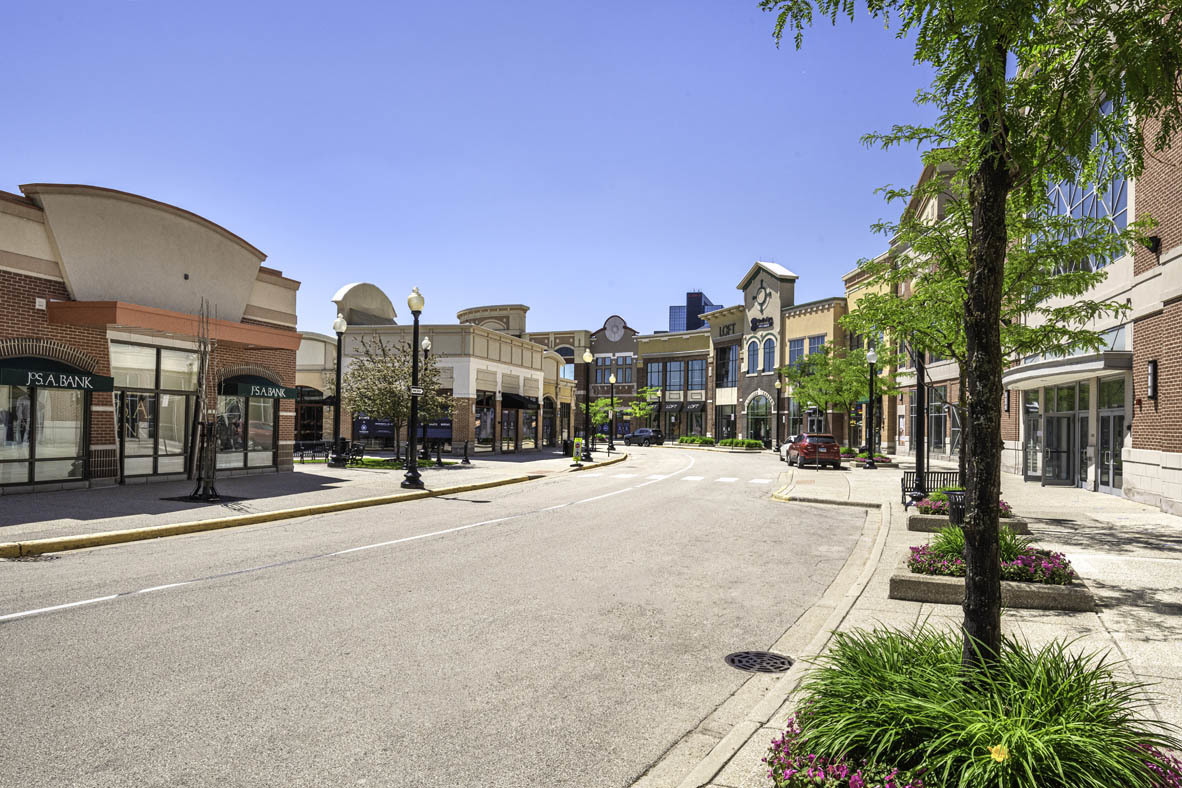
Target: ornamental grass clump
{"x": 895, "y": 708}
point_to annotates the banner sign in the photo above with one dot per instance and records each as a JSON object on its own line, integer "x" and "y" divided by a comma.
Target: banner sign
{"x": 82, "y": 381}
{"x": 761, "y": 322}
{"x": 373, "y": 428}
{"x": 270, "y": 390}
{"x": 440, "y": 429}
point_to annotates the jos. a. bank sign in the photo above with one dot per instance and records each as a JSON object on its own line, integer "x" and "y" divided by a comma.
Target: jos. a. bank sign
{"x": 79, "y": 381}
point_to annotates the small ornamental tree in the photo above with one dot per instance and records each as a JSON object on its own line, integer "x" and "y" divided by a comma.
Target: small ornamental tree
{"x": 1026, "y": 93}
{"x": 839, "y": 377}
{"x": 644, "y": 405}
{"x": 601, "y": 412}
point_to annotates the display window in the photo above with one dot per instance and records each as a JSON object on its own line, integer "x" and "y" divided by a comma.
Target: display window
{"x": 155, "y": 401}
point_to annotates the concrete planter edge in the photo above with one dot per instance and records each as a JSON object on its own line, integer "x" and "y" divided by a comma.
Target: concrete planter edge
{"x": 911, "y": 587}
{"x": 932, "y": 523}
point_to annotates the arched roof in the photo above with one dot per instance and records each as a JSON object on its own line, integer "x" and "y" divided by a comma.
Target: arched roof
{"x": 364, "y": 304}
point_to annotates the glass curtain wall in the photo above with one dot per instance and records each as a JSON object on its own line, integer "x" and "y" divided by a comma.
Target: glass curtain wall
{"x": 155, "y": 397}
{"x": 724, "y": 420}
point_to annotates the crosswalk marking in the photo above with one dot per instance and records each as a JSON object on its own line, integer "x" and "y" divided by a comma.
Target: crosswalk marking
{"x": 691, "y": 478}
{"x": 624, "y": 476}
{"x": 727, "y": 479}
{"x": 655, "y": 476}
{"x": 760, "y": 481}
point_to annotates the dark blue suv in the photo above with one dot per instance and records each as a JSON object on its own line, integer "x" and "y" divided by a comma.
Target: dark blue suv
{"x": 644, "y": 437}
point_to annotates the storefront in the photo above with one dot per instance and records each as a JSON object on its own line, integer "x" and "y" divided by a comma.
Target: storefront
{"x": 248, "y": 422}
{"x": 44, "y": 426}
{"x": 759, "y": 419}
{"x": 155, "y": 396}
{"x": 673, "y": 421}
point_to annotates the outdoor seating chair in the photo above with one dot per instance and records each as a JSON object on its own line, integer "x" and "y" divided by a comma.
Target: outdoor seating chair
{"x": 934, "y": 480}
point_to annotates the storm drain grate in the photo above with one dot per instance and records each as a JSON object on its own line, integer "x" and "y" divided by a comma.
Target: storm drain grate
{"x": 759, "y": 661}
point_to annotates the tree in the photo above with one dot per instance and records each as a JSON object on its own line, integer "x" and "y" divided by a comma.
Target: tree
{"x": 601, "y": 412}
{"x": 377, "y": 384}
{"x": 644, "y": 405}
{"x": 1020, "y": 90}
{"x": 836, "y": 376}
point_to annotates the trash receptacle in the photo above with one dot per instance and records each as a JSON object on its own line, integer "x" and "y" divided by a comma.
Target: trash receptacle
{"x": 567, "y": 448}
{"x": 955, "y": 507}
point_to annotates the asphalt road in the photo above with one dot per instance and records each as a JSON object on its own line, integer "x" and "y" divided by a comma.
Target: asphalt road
{"x": 564, "y": 632}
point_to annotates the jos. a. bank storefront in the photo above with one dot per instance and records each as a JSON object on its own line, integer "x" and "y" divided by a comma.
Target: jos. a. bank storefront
{"x": 103, "y": 376}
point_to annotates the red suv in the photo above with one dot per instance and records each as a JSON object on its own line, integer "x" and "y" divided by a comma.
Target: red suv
{"x": 817, "y": 449}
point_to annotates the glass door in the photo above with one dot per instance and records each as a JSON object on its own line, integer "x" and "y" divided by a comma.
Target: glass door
{"x": 1058, "y": 467}
{"x": 1110, "y": 466}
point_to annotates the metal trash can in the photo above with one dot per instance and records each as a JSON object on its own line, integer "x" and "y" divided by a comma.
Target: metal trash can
{"x": 568, "y": 448}
{"x": 955, "y": 507}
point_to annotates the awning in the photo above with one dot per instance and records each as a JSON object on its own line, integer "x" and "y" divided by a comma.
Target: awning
{"x": 672, "y": 407}
{"x": 694, "y": 407}
{"x": 31, "y": 371}
{"x": 518, "y": 402}
{"x": 253, "y": 386}
{"x": 1067, "y": 370}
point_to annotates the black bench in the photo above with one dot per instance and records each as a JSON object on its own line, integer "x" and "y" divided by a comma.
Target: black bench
{"x": 934, "y": 481}
{"x": 356, "y": 454}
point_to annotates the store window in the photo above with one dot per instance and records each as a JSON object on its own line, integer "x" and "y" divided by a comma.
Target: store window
{"x": 697, "y": 374}
{"x": 724, "y": 420}
{"x": 564, "y": 417}
{"x": 486, "y": 420}
{"x": 508, "y": 430}
{"x": 529, "y": 429}
{"x": 758, "y": 419}
{"x": 726, "y": 367}
{"x": 795, "y": 419}
{"x": 43, "y": 428}
{"x": 938, "y": 419}
{"x": 155, "y": 402}
{"x": 676, "y": 375}
{"x": 247, "y": 424}
{"x": 795, "y": 351}
{"x": 769, "y": 355}
{"x": 654, "y": 374}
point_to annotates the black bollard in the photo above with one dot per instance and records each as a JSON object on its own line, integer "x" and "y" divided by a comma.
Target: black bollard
{"x": 438, "y": 454}
{"x": 466, "y": 462}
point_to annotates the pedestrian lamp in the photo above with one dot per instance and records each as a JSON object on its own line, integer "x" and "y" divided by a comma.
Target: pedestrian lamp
{"x": 339, "y": 455}
{"x": 611, "y": 444}
{"x": 426, "y": 346}
{"x": 872, "y": 357}
{"x": 779, "y": 414}
{"x": 412, "y": 479}
{"x": 587, "y": 359}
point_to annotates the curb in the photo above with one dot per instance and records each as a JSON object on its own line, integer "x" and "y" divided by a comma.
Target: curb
{"x": 82, "y": 541}
{"x": 842, "y": 600}
{"x": 599, "y": 464}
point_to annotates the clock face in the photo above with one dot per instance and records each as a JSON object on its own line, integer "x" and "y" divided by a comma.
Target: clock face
{"x": 614, "y": 328}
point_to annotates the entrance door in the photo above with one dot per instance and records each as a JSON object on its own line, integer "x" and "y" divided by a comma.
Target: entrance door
{"x": 1032, "y": 454}
{"x": 1058, "y": 457}
{"x": 1109, "y": 465}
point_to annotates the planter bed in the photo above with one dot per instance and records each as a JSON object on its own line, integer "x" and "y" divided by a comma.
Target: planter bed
{"x": 939, "y": 590}
{"x": 932, "y": 523}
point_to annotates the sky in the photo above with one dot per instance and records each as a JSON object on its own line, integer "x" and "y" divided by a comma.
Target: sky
{"x": 583, "y": 158}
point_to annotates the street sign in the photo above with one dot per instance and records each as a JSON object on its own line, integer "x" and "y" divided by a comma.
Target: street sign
{"x": 416, "y": 391}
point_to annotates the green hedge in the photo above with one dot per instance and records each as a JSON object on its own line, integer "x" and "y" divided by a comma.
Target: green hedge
{"x": 696, "y": 439}
{"x": 741, "y": 443}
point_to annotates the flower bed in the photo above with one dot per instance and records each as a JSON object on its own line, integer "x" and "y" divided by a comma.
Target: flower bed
{"x": 891, "y": 709}
{"x": 939, "y": 506}
{"x": 1036, "y": 566}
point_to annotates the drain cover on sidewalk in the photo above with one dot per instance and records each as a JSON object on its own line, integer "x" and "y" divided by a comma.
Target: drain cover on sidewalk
{"x": 759, "y": 661}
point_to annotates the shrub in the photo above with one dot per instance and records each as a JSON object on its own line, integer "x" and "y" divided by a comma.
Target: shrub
{"x": 1041, "y": 718}
{"x": 696, "y": 439}
{"x": 950, "y": 542}
{"x": 742, "y": 443}
{"x": 1033, "y": 566}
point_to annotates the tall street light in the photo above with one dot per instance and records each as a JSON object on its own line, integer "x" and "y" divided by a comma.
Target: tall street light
{"x": 339, "y": 455}
{"x": 412, "y": 479}
{"x": 872, "y": 357}
{"x": 611, "y": 443}
{"x": 779, "y": 412}
{"x": 587, "y": 359}
{"x": 426, "y": 346}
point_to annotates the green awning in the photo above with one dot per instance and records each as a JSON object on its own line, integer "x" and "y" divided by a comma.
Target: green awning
{"x": 28, "y": 371}
{"x": 253, "y": 386}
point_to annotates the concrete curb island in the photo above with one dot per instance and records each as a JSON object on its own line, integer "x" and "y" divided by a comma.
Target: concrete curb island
{"x": 59, "y": 544}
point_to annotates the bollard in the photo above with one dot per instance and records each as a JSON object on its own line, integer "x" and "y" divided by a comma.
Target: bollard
{"x": 438, "y": 454}
{"x": 465, "y": 461}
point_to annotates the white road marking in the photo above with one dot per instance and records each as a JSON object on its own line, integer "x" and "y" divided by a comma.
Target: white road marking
{"x": 57, "y": 607}
{"x": 624, "y": 476}
{"x": 587, "y": 474}
{"x": 727, "y": 479}
{"x": 691, "y": 478}
{"x": 109, "y": 597}
{"x": 760, "y": 481}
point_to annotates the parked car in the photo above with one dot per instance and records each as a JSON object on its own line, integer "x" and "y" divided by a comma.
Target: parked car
{"x": 644, "y": 437}
{"x": 817, "y": 449}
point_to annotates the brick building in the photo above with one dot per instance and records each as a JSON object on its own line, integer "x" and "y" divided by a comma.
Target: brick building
{"x": 100, "y": 290}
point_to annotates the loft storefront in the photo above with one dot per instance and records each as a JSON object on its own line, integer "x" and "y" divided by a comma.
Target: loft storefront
{"x": 44, "y": 422}
{"x": 1074, "y": 420}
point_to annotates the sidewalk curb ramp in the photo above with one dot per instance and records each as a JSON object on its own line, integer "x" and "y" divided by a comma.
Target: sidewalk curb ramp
{"x": 82, "y": 541}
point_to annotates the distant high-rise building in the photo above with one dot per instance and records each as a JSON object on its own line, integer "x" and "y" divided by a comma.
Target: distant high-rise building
{"x": 689, "y": 316}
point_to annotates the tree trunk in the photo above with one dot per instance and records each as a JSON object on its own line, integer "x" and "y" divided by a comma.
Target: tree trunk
{"x": 961, "y": 409}
{"x": 989, "y": 186}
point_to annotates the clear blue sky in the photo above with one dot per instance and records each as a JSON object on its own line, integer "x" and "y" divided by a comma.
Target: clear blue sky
{"x": 582, "y": 157}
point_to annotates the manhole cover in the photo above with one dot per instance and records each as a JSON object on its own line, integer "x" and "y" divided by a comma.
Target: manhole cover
{"x": 759, "y": 661}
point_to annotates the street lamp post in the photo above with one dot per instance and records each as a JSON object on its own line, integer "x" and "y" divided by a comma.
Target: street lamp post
{"x": 611, "y": 444}
{"x": 412, "y": 480}
{"x": 872, "y": 357}
{"x": 426, "y": 346}
{"x": 779, "y": 412}
{"x": 587, "y": 359}
{"x": 339, "y": 455}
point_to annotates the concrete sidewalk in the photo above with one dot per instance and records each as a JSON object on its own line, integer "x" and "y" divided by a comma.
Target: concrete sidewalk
{"x": 1129, "y": 554}
{"x": 74, "y": 512}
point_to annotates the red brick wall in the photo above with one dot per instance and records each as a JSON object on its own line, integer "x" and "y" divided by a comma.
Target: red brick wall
{"x": 1157, "y": 424}
{"x": 20, "y": 320}
{"x": 1009, "y": 421}
{"x": 1159, "y": 194}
